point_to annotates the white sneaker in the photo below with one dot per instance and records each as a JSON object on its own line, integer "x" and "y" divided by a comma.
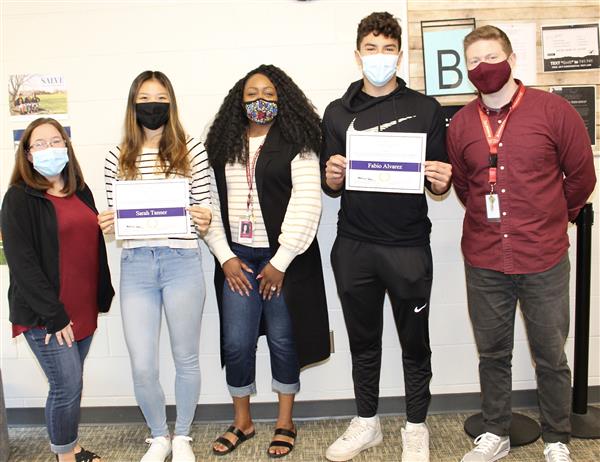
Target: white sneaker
{"x": 160, "y": 448}
{"x": 556, "y": 452}
{"x": 415, "y": 443}
{"x": 182, "y": 449}
{"x": 489, "y": 447}
{"x": 361, "y": 434}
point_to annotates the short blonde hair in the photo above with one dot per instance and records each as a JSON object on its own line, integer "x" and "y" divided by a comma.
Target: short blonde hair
{"x": 488, "y": 33}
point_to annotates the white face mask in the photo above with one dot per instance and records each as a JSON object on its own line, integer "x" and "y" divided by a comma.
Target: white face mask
{"x": 379, "y": 68}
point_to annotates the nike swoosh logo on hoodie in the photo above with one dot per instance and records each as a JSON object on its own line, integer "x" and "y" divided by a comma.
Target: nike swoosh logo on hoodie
{"x": 382, "y": 127}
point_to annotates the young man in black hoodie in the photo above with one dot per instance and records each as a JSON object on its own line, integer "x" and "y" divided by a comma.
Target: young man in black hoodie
{"x": 383, "y": 239}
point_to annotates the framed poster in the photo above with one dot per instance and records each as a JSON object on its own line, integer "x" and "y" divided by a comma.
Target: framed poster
{"x": 570, "y": 47}
{"x": 33, "y": 95}
{"x": 443, "y": 57}
{"x": 583, "y": 99}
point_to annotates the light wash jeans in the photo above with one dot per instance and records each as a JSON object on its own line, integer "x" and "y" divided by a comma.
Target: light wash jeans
{"x": 153, "y": 278}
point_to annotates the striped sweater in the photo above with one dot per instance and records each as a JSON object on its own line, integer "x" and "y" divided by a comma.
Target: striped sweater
{"x": 149, "y": 168}
{"x": 301, "y": 220}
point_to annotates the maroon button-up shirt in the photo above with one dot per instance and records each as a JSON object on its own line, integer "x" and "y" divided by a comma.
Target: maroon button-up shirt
{"x": 545, "y": 174}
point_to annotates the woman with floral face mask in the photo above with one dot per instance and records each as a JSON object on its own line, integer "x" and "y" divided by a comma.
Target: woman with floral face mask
{"x": 59, "y": 276}
{"x": 161, "y": 273}
{"x": 266, "y": 195}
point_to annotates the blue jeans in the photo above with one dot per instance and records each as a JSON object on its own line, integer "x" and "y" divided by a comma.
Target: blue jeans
{"x": 153, "y": 278}
{"x": 241, "y": 319}
{"x": 63, "y": 367}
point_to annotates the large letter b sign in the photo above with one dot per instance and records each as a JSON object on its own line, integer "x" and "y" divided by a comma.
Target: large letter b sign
{"x": 445, "y": 70}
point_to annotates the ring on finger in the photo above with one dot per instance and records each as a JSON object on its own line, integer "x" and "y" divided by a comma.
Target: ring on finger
{"x": 273, "y": 288}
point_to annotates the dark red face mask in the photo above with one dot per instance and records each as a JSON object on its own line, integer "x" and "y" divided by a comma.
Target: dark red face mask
{"x": 490, "y": 77}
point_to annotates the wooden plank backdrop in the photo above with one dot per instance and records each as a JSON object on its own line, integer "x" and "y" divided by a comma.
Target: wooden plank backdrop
{"x": 541, "y": 13}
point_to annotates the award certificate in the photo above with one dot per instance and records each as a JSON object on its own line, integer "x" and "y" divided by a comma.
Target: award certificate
{"x": 385, "y": 161}
{"x": 151, "y": 208}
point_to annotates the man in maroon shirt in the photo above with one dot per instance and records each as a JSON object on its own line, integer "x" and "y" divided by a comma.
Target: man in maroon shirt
{"x": 523, "y": 168}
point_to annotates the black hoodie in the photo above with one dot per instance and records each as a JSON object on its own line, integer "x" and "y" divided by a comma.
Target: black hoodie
{"x": 383, "y": 218}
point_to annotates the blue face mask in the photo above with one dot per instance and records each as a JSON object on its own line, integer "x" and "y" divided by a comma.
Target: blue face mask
{"x": 50, "y": 162}
{"x": 379, "y": 68}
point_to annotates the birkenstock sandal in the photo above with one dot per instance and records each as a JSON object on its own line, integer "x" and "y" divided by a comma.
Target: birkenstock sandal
{"x": 241, "y": 437}
{"x": 86, "y": 456}
{"x": 282, "y": 444}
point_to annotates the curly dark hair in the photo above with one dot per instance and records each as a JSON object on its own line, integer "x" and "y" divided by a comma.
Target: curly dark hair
{"x": 227, "y": 139}
{"x": 379, "y": 23}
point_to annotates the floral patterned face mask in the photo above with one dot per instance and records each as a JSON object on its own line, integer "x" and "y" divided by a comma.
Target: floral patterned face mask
{"x": 261, "y": 111}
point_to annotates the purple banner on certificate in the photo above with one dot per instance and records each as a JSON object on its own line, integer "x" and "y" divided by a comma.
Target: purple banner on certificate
{"x": 148, "y": 213}
{"x": 389, "y": 166}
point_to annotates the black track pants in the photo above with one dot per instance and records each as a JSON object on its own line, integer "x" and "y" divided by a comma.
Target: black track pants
{"x": 363, "y": 272}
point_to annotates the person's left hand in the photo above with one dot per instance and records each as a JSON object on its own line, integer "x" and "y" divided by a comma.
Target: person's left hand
{"x": 439, "y": 175}
{"x": 271, "y": 282}
{"x": 201, "y": 216}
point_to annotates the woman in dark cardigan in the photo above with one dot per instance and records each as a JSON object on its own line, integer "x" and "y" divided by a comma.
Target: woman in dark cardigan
{"x": 59, "y": 276}
{"x": 268, "y": 278}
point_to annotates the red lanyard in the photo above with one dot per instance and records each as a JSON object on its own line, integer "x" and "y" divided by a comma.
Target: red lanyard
{"x": 250, "y": 171}
{"x": 493, "y": 139}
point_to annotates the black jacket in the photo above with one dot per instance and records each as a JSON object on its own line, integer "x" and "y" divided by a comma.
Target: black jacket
{"x": 303, "y": 286}
{"x": 30, "y": 237}
{"x": 379, "y": 217}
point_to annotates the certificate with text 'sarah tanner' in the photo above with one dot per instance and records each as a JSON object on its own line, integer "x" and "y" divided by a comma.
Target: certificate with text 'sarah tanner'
{"x": 146, "y": 209}
{"x": 385, "y": 161}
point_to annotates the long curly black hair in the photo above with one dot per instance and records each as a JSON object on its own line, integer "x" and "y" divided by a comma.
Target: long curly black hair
{"x": 298, "y": 121}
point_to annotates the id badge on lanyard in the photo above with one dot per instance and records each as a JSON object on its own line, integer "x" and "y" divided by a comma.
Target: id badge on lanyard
{"x": 492, "y": 201}
{"x": 245, "y": 231}
{"x": 246, "y": 223}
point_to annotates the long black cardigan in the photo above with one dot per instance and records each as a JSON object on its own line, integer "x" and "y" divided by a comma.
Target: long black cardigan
{"x": 303, "y": 285}
{"x": 30, "y": 233}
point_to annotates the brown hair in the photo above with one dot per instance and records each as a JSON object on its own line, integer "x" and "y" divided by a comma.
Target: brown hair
{"x": 24, "y": 171}
{"x": 172, "y": 149}
{"x": 488, "y": 33}
{"x": 379, "y": 23}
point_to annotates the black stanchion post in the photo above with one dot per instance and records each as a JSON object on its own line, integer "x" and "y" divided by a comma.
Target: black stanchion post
{"x": 585, "y": 420}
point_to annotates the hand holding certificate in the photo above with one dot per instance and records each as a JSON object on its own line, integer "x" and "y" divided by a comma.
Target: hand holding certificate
{"x": 151, "y": 208}
{"x": 385, "y": 162}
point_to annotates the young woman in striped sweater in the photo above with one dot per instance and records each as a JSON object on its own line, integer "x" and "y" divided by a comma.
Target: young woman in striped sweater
{"x": 267, "y": 201}
{"x": 159, "y": 274}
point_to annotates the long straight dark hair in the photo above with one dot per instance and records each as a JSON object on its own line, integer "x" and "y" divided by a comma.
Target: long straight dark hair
{"x": 172, "y": 150}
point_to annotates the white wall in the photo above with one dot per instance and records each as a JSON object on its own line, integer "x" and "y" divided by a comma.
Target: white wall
{"x": 205, "y": 47}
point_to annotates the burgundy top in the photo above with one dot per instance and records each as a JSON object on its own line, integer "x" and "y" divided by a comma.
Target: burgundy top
{"x": 78, "y": 264}
{"x": 545, "y": 174}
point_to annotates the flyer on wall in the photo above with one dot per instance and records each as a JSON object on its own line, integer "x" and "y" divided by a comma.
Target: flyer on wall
{"x": 570, "y": 47}
{"x": 583, "y": 99}
{"x": 33, "y": 95}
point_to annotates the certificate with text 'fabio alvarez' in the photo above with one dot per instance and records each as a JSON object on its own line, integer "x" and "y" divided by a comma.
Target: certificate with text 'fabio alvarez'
{"x": 146, "y": 209}
{"x": 385, "y": 161}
